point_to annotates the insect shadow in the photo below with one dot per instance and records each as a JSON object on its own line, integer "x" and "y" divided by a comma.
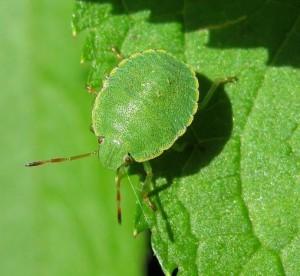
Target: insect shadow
{"x": 202, "y": 142}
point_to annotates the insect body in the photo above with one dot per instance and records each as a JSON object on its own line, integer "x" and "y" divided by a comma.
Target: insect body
{"x": 146, "y": 103}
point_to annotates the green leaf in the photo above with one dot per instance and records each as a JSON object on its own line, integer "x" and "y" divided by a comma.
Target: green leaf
{"x": 228, "y": 203}
{"x": 57, "y": 219}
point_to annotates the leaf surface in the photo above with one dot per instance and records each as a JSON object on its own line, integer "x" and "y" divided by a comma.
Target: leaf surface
{"x": 228, "y": 200}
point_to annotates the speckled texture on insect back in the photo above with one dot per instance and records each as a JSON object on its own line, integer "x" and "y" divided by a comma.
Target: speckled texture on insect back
{"x": 144, "y": 106}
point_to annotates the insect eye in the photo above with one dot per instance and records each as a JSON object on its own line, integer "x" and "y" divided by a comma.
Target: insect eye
{"x": 100, "y": 139}
{"x": 127, "y": 159}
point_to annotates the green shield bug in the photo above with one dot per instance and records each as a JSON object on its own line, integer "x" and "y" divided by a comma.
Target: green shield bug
{"x": 146, "y": 103}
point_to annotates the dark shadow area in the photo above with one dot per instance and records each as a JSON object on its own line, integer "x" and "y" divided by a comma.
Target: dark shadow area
{"x": 232, "y": 23}
{"x": 175, "y": 272}
{"x": 152, "y": 265}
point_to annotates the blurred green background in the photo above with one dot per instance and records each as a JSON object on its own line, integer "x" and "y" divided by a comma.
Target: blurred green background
{"x": 56, "y": 219}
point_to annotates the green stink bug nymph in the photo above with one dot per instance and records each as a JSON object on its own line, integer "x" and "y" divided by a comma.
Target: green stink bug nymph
{"x": 145, "y": 105}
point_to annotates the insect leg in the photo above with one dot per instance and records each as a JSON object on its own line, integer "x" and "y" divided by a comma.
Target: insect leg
{"x": 147, "y": 185}
{"x": 119, "y": 175}
{"x": 117, "y": 52}
{"x": 213, "y": 89}
{"x": 91, "y": 90}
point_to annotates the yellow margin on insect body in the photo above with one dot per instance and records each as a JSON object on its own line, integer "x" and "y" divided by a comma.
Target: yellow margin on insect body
{"x": 180, "y": 132}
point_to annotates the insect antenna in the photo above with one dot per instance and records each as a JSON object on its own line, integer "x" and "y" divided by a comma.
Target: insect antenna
{"x": 120, "y": 174}
{"x": 119, "y": 210}
{"x": 118, "y": 198}
{"x": 60, "y": 159}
